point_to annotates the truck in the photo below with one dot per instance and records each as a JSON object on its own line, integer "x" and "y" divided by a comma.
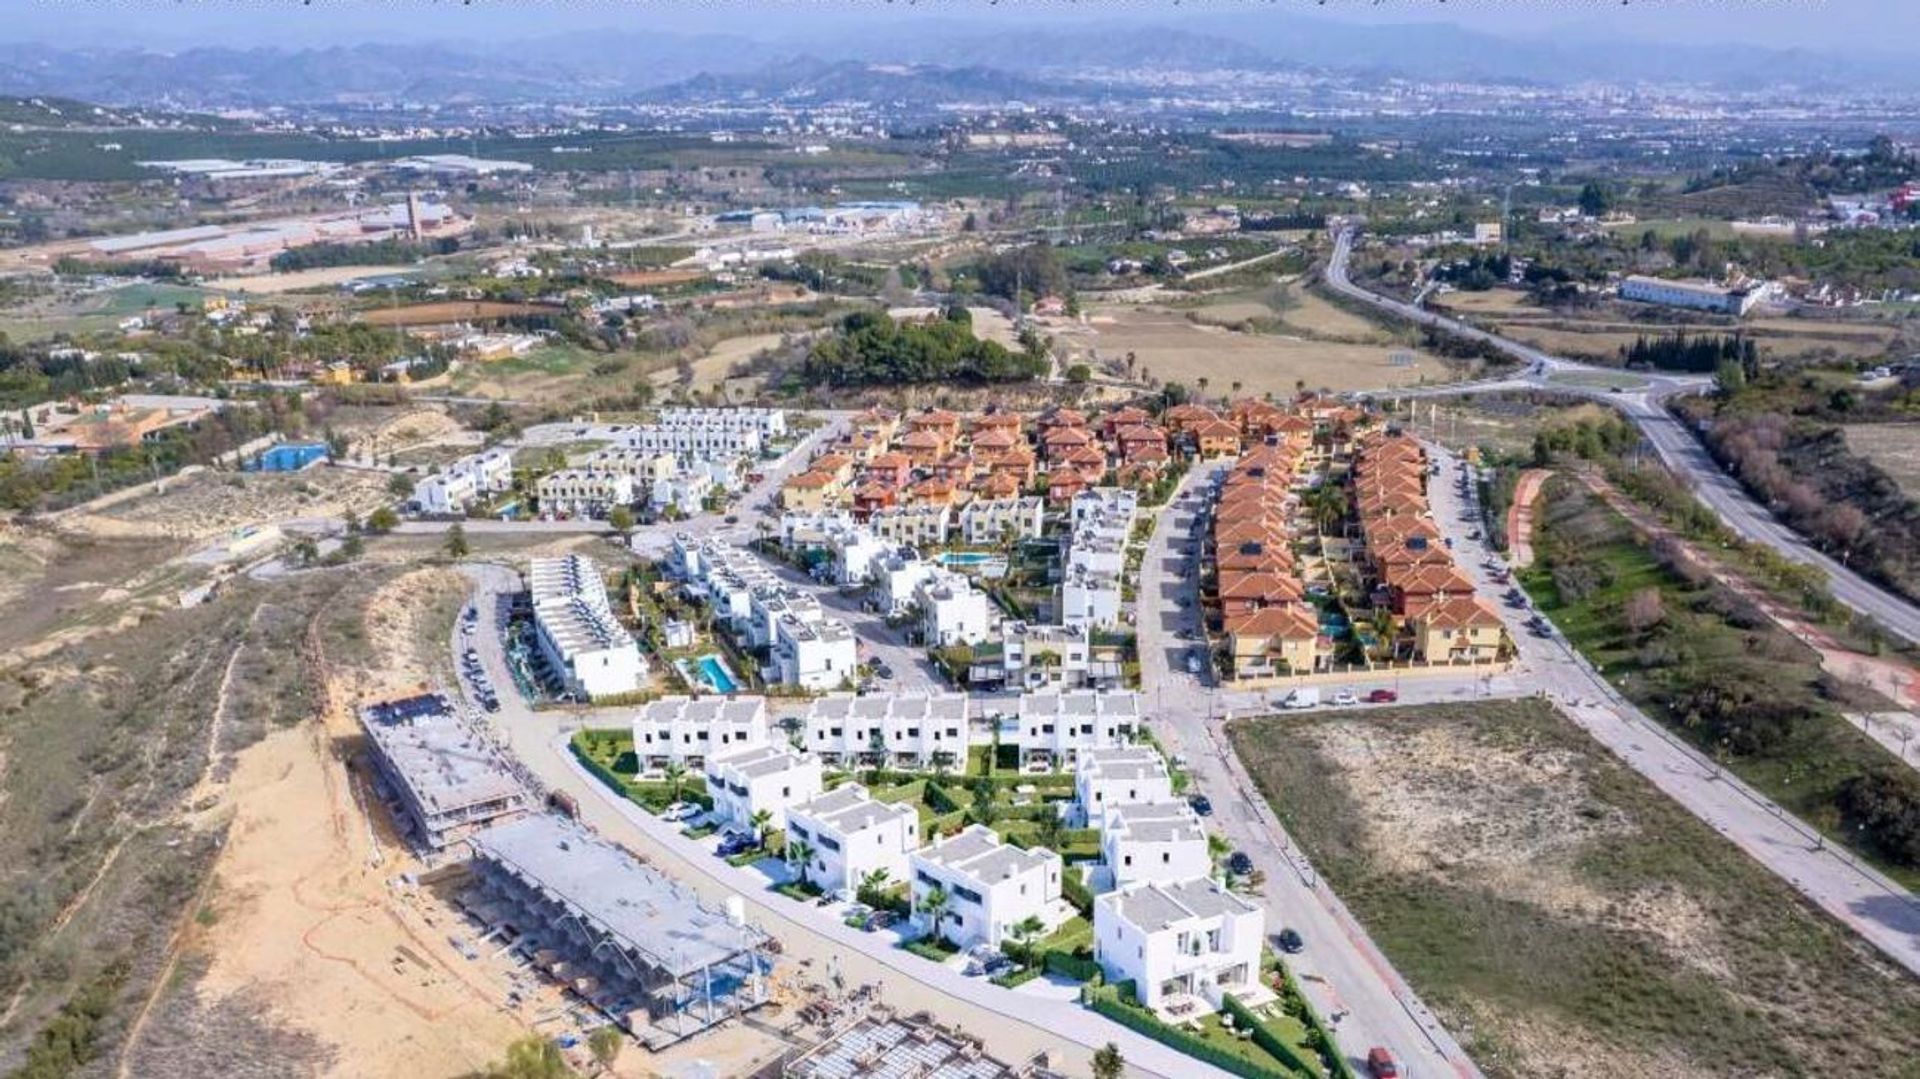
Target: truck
{"x": 1304, "y": 697}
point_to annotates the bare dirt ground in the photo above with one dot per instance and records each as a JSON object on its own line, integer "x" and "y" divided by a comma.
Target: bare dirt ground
{"x": 1174, "y": 348}
{"x": 207, "y": 504}
{"x": 1520, "y": 516}
{"x": 325, "y": 277}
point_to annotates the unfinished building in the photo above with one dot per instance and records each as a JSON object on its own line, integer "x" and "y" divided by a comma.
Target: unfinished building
{"x": 443, "y": 776}
{"x": 883, "y": 1045}
{"x": 626, "y": 939}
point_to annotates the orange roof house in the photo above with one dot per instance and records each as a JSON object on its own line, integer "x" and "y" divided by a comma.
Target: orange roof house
{"x": 1217, "y": 438}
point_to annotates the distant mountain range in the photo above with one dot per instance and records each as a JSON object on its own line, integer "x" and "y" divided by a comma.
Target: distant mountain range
{"x": 938, "y": 60}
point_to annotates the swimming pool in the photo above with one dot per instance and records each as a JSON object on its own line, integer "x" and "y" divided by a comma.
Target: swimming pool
{"x": 968, "y": 558}
{"x": 713, "y": 671}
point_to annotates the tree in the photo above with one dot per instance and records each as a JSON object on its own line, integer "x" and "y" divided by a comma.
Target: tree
{"x": 307, "y": 551}
{"x": 676, "y": 774}
{"x": 456, "y": 542}
{"x": 873, "y": 886}
{"x": 352, "y": 546}
{"x": 604, "y": 1043}
{"x": 1108, "y": 1063}
{"x": 1023, "y": 933}
{"x": 382, "y": 520}
{"x": 400, "y": 485}
{"x": 620, "y": 518}
{"x": 800, "y": 857}
{"x": 933, "y": 906}
{"x": 941, "y": 761}
{"x": 1594, "y": 200}
{"x": 1643, "y": 610}
{"x": 762, "y": 819}
{"x": 1079, "y": 373}
{"x": 532, "y": 1057}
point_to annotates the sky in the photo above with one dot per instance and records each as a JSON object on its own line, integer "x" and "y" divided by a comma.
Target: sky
{"x": 173, "y": 24}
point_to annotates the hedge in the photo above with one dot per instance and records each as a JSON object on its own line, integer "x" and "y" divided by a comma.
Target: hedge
{"x": 1069, "y": 965}
{"x": 938, "y": 799}
{"x": 1106, "y": 1000}
{"x": 1335, "y": 1060}
{"x": 1075, "y": 891}
{"x": 1264, "y": 1038}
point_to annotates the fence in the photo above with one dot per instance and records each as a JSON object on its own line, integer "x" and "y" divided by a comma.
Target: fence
{"x": 1106, "y": 1000}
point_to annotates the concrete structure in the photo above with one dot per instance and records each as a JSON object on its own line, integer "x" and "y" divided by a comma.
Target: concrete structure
{"x": 1179, "y": 943}
{"x": 818, "y": 655}
{"x": 851, "y": 837}
{"x": 990, "y": 886}
{"x": 746, "y": 780}
{"x": 989, "y": 522}
{"x": 444, "y": 776}
{"x": 896, "y": 580}
{"x": 1692, "y": 295}
{"x": 952, "y": 611}
{"x": 1090, "y": 597}
{"x": 590, "y": 653}
{"x": 1056, "y": 728}
{"x": 896, "y": 730}
{"x": 1119, "y": 776}
{"x": 1037, "y": 657}
{"x": 882, "y": 1043}
{"x": 584, "y": 492}
{"x": 643, "y": 948}
{"x": 687, "y": 730}
{"x": 1157, "y": 841}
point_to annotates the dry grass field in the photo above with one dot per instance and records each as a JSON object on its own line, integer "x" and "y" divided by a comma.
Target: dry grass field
{"x": 1560, "y": 913}
{"x": 299, "y": 280}
{"x": 434, "y": 314}
{"x": 1173, "y": 348}
{"x": 1895, "y": 447}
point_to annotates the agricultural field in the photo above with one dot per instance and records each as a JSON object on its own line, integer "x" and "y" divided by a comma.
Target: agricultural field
{"x": 1171, "y": 347}
{"x": 1288, "y": 308}
{"x": 92, "y": 312}
{"x": 324, "y": 277}
{"x": 1563, "y": 915}
{"x": 1893, "y": 447}
{"x": 450, "y": 311}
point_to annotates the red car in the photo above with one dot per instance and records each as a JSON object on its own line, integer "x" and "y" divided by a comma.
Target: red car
{"x": 1382, "y": 696}
{"x": 1380, "y": 1064}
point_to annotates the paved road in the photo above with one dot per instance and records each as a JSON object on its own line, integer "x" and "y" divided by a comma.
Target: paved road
{"x": 1679, "y": 450}
{"x": 1340, "y": 968}
{"x": 1015, "y": 1025}
{"x": 1862, "y": 898}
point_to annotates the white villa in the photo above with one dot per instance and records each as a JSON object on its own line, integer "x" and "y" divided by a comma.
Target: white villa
{"x": 1121, "y": 776}
{"x": 1154, "y": 841}
{"x": 748, "y": 779}
{"x": 1182, "y": 945}
{"x": 852, "y": 836}
{"x": 687, "y": 730}
{"x": 841, "y": 728}
{"x": 991, "y": 886}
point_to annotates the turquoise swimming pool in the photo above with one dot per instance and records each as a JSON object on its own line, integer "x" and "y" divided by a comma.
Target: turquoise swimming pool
{"x": 969, "y": 558}
{"x": 713, "y": 671}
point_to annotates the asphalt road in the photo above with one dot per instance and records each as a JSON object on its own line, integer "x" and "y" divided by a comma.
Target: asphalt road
{"x": 1679, "y": 450}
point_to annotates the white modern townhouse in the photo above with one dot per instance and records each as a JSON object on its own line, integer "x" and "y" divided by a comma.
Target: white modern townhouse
{"x": 990, "y": 886}
{"x": 465, "y": 481}
{"x": 1114, "y": 506}
{"x": 687, "y": 730}
{"x": 989, "y": 522}
{"x": 1182, "y": 945}
{"x": 590, "y": 653}
{"x": 923, "y": 524}
{"x": 896, "y": 730}
{"x": 584, "y": 492}
{"x": 1153, "y": 841}
{"x": 819, "y": 655}
{"x": 1056, "y": 728}
{"x": 1089, "y": 597}
{"x": 850, "y": 836}
{"x": 766, "y": 777}
{"x": 896, "y": 575}
{"x": 1040, "y": 657}
{"x": 952, "y": 611}
{"x": 1119, "y": 776}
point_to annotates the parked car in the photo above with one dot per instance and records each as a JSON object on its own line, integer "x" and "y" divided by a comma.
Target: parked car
{"x": 1304, "y": 697}
{"x": 1382, "y": 696}
{"x": 680, "y": 811}
{"x": 1195, "y": 664}
{"x": 1288, "y": 940}
{"x": 1239, "y": 863}
{"x": 1201, "y": 804}
{"x": 1381, "y": 1065}
{"x": 1345, "y": 697}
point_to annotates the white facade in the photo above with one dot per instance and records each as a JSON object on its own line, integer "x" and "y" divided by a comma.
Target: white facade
{"x": 774, "y": 778}
{"x": 708, "y": 433}
{"x": 770, "y": 422}
{"x": 908, "y": 729}
{"x": 1694, "y": 295}
{"x": 590, "y": 652}
{"x": 924, "y": 524}
{"x": 990, "y": 522}
{"x": 1105, "y": 779}
{"x": 464, "y": 481}
{"x": 686, "y": 730}
{"x": 1090, "y": 598}
{"x": 1110, "y": 506}
{"x": 1193, "y": 939}
{"x": 686, "y": 493}
{"x": 990, "y": 886}
{"x": 1162, "y": 842}
{"x": 584, "y": 492}
{"x": 952, "y": 611}
{"x": 1037, "y": 657}
{"x": 1061, "y": 726}
{"x": 856, "y": 552}
{"x": 896, "y": 578}
{"x": 818, "y": 655}
{"x": 852, "y": 836}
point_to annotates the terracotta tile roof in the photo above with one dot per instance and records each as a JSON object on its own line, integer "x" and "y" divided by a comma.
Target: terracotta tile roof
{"x": 1289, "y": 622}
{"x": 810, "y": 480}
{"x": 1261, "y": 585}
{"x": 897, "y": 461}
{"x": 995, "y": 438}
{"x": 1457, "y": 612}
{"x": 920, "y": 440}
{"x": 996, "y": 485}
{"x": 1427, "y": 579}
{"x": 998, "y": 421}
{"x": 1216, "y": 429}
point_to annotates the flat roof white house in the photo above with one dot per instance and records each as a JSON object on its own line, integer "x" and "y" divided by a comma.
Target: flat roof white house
{"x": 745, "y": 780}
{"x": 584, "y": 492}
{"x": 1153, "y": 841}
{"x": 590, "y": 652}
{"x": 952, "y": 611}
{"x": 687, "y": 730}
{"x": 923, "y": 524}
{"x": 1089, "y": 597}
{"x": 897, "y": 574}
{"x": 1035, "y": 657}
{"x": 816, "y": 655}
{"x": 900, "y": 730}
{"x": 988, "y": 522}
{"x": 1056, "y": 728}
{"x": 1182, "y": 945}
{"x": 991, "y": 886}
{"x": 1696, "y": 295}
{"x": 1105, "y": 779}
{"x": 853, "y": 836}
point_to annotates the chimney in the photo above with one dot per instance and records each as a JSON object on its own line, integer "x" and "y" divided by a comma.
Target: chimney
{"x": 414, "y": 229}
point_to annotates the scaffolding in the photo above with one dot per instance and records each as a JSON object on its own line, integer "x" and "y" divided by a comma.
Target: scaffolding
{"x": 630, "y": 941}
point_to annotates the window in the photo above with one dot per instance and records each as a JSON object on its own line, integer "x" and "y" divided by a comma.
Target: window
{"x": 1166, "y": 857}
{"x": 1127, "y": 860}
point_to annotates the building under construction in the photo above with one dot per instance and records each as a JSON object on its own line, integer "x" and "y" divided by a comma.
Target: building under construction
{"x": 628, "y": 940}
{"x": 883, "y": 1045}
{"x": 444, "y": 777}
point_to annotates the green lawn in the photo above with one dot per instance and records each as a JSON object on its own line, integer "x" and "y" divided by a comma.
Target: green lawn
{"x": 610, "y": 753}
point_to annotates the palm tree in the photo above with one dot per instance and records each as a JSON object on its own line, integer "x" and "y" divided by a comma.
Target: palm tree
{"x": 1023, "y": 933}
{"x": 676, "y": 774}
{"x": 790, "y": 725}
{"x": 761, "y": 819}
{"x": 1203, "y": 381}
{"x": 873, "y": 884}
{"x": 799, "y": 853}
{"x": 933, "y": 905}
{"x": 1108, "y": 1063}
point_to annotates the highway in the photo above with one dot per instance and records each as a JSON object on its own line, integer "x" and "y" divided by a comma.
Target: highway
{"x": 1679, "y": 450}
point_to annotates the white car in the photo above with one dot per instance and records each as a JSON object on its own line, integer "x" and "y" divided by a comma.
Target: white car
{"x": 1345, "y": 697}
{"x": 680, "y": 811}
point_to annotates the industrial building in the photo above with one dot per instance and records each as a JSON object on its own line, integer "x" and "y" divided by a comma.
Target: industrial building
{"x": 444, "y": 777}
{"x": 631, "y": 941}
{"x": 1692, "y": 295}
{"x": 591, "y": 654}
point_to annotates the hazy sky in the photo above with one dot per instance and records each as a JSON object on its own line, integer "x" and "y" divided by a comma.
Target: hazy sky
{"x": 1883, "y": 25}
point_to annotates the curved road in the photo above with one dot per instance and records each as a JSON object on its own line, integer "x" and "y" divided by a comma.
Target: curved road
{"x": 1679, "y": 450}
